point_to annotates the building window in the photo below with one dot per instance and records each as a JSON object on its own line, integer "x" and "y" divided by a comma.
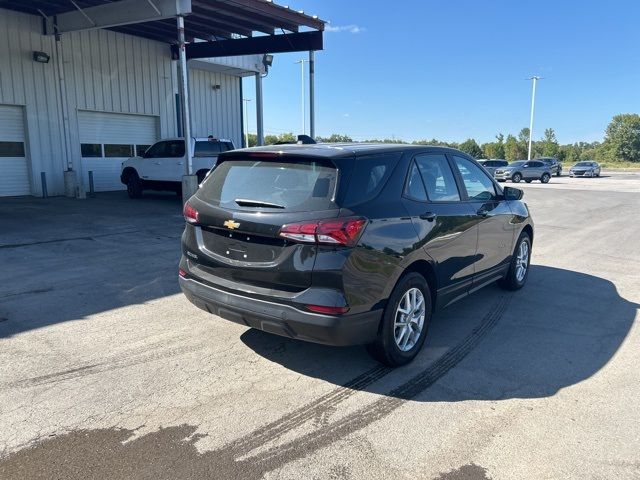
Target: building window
{"x": 91, "y": 149}
{"x": 117, "y": 150}
{"x": 11, "y": 149}
{"x": 140, "y": 149}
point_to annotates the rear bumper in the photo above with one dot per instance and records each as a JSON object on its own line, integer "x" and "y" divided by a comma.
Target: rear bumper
{"x": 282, "y": 319}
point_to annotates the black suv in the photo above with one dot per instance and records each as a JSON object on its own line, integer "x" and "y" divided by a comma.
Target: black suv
{"x": 554, "y": 165}
{"x": 350, "y": 243}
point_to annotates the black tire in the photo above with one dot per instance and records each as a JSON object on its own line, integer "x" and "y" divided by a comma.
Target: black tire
{"x": 511, "y": 281}
{"x": 134, "y": 186}
{"x": 201, "y": 174}
{"x": 545, "y": 178}
{"x": 516, "y": 177}
{"x": 528, "y": 181}
{"x": 559, "y": 173}
{"x": 385, "y": 348}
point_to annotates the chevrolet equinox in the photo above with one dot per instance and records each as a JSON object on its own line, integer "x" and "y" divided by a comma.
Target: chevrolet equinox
{"x": 349, "y": 244}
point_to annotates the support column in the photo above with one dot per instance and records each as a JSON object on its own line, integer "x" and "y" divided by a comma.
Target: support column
{"x": 312, "y": 97}
{"x": 259, "y": 125}
{"x": 189, "y": 181}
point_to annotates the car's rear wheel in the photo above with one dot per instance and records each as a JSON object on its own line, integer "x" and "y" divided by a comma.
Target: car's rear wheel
{"x": 516, "y": 178}
{"x": 545, "y": 178}
{"x": 518, "y": 272}
{"x": 134, "y": 186}
{"x": 559, "y": 173}
{"x": 404, "y": 323}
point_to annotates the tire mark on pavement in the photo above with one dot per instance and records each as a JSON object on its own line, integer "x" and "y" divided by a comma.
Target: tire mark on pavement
{"x": 280, "y": 455}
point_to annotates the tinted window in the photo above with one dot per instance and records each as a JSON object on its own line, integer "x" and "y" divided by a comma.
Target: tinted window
{"x": 415, "y": 186}
{"x": 536, "y": 164}
{"x": 369, "y": 176}
{"x": 118, "y": 150}
{"x": 175, "y": 148}
{"x": 226, "y": 146}
{"x": 438, "y": 178}
{"x": 157, "y": 150}
{"x": 91, "y": 150}
{"x": 207, "y": 149}
{"x": 140, "y": 149}
{"x": 502, "y": 163}
{"x": 296, "y": 186}
{"x": 478, "y": 184}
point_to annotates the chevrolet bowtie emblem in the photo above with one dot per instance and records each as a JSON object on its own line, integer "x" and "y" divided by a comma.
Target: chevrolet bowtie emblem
{"x": 231, "y": 225}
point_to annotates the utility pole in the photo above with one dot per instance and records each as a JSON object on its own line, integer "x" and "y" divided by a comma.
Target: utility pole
{"x": 246, "y": 122}
{"x": 533, "y": 105}
{"x": 302, "y": 62}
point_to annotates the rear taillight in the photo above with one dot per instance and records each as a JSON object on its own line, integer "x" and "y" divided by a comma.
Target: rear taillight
{"x": 190, "y": 213}
{"x": 327, "y": 310}
{"x": 340, "y": 231}
{"x": 182, "y": 273}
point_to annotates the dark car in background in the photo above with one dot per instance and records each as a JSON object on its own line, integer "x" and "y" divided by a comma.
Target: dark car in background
{"x": 350, "y": 243}
{"x": 492, "y": 164}
{"x": 585, "y": 169}
{"x": 554, "y": 165}
{"x": 527, "y": 170}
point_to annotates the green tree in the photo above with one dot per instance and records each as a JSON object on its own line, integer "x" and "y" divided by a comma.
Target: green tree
{"x": 514, "y": 149}
{"x": 494, "y": 149}
{"x": 283, "y": 137}
{"x": 334, "y": 138}
{"x": 472, "y": 148}
{"x": 550, "y": 145}
{"x": 622, "y": 139}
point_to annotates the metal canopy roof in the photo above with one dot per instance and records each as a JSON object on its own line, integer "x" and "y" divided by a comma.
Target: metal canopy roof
{"x": 209, "y": 19}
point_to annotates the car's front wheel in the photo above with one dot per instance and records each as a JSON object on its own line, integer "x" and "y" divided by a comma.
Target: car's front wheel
{"x": 404, "y": 323}
{"x": 545, "y": 178}
{"x": 519, "y": 267}
{"x": 134, "y": 186}
{"x": 516, "y": 178}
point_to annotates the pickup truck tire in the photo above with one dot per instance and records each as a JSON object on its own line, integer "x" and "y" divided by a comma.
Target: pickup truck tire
{"x": 201, "y": 174}
{"x": 134, "y": 186}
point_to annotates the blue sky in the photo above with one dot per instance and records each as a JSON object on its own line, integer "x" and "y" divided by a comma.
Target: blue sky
{"x": 456, "y": 69}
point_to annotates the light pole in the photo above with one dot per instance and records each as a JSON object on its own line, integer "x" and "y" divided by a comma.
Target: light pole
{"x": 246, "y": 122}
{"x": 533, "y": 105}
{"x": 302, "y": 62}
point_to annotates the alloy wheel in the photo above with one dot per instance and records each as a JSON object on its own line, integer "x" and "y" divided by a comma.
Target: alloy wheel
{"x": 522, "y": 261}
{"x": 409, "y": 319}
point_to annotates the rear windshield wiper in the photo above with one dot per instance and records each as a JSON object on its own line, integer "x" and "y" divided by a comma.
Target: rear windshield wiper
{"x": 245, "y": 202}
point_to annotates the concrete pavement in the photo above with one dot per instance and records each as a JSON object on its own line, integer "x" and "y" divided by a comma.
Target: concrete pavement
{"x": 106, "y": 371}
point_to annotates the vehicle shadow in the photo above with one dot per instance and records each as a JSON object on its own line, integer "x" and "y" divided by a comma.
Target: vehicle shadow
{"x": 559, "y": 330}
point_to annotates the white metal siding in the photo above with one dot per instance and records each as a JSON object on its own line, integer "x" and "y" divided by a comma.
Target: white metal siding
{"x": 112, "y": 128}
{"x": 215, "y": 112}
{"x": 104, "y": 71}
{"x": 14, "y": 171}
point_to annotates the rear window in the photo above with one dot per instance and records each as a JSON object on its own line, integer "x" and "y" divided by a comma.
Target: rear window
{"x": 275, "y": 185}
{"x": 207, "y": 149}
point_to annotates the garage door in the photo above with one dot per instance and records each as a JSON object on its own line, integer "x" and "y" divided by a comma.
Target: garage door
{"x": 14, "y": 171}
{"x": 108, "y": 139}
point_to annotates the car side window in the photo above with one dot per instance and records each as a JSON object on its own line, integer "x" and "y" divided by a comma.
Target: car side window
{"x": 175, "y": 149}
{"x": 156, "y": 150}
{"x": 438, "y": 178}
{"x": 207, "y": 148}
{"x": 415, "y": 187}
{"x": 478, "y": 184}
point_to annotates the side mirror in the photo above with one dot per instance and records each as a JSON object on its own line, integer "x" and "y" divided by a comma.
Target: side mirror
{"x": 511, "y": 193}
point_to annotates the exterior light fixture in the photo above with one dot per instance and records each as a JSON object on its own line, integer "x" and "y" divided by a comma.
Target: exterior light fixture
{"x": 41, "y": 57}
{"x": 216, "y": 87}
{"x": 267, "y": 60}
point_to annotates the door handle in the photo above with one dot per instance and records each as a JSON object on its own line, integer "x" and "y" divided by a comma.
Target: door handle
{"x": 428, "y": 216}
{"x": 483, "y": 212}
{"x": 179, "y": 163}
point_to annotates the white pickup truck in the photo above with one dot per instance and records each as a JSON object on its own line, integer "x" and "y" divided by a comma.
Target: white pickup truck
{"x": 162, "y": 165}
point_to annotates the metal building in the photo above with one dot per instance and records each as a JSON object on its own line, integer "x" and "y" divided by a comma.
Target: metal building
{"x": 91, "y": 97}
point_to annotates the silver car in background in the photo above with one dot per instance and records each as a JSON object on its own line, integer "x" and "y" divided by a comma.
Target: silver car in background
{"x": 527, "y": 170}
{"x": 585, "y": 169}
{"x": 492, "y": 164}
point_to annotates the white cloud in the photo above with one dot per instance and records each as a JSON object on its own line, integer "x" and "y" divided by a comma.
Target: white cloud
{"x": 345, "y": 114}
{"x": 344, "y": 28}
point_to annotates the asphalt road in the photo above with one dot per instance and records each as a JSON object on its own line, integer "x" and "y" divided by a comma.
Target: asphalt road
{"x": 106, "y": 371}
